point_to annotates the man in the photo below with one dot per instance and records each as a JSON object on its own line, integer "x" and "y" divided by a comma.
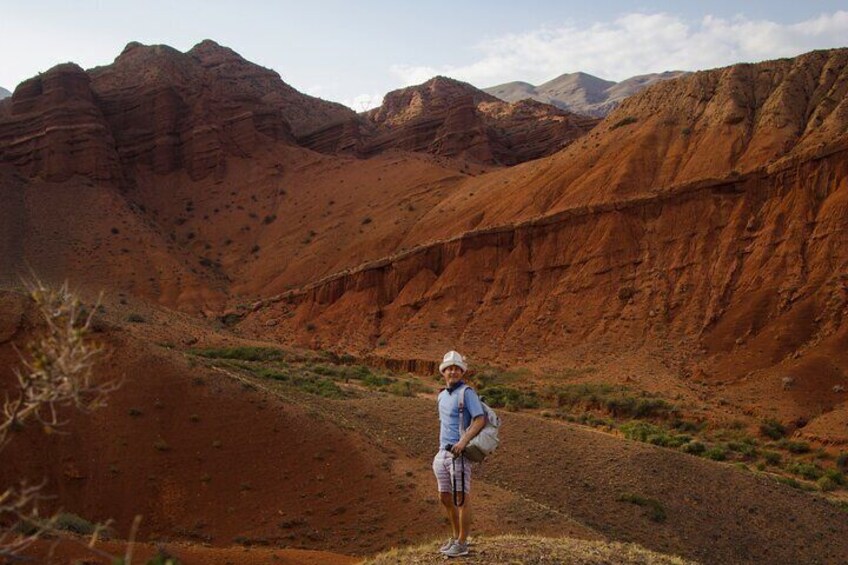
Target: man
{"x": 453, "y": 471}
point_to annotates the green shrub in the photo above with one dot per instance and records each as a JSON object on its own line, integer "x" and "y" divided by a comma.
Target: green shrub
{"x": 789, "y": 481}
{"x": 241, "y": 353}
{"x": 649, "y": 433}
{"x": 136, "y": 318}
{"x": 842, "y": 462}
{"x": 716, "y": 453}
{"x": 404, "y": 388}
{"x": 687, "y": 426}
{"x": 509, "y": 398}
{"x": 772, "y": 457}
{"x": 835, "y": 476}
{"x": 590, "y": 419}
{"x": 376, "y": 381}
{"x": 746, "y": 447}
{"x": 655, "y": 510}
{"x": 796, "y": 447}
{"x": 693, "y": 448}
{"x": 826, "y": 484}
{"x": 73, "y": 523}
{"x": 808, "y": 471}
{"x": 773, "y": 429}
{"x": 356, "y": 372}
{"x": 318, "y": 387}
{"x": 326, "y": 370}
{"x": 629, "y": 406}
{"x": 639, "y": 431}
{"x": 618, "y": 401}
{"x": 273, "y": 374}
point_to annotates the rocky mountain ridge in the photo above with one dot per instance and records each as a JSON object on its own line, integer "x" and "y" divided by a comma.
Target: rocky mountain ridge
{"x": 450, "y": 118}
{"x": 4, "y": 93}
{"x": 154, "y": 106}
{"x": 580, "y": 92}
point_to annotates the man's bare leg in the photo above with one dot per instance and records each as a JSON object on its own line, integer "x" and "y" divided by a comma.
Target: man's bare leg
{"x": 465, "y": 519}
{"x": 446, "y": 499}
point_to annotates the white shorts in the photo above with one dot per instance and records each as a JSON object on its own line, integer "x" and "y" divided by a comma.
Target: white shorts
{"x": 443, "y": 467}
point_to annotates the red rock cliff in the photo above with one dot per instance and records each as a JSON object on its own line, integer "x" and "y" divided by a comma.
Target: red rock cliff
{"x": 709, "y": 211}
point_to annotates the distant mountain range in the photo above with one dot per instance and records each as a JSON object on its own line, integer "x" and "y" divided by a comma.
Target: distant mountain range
{"x": 580, "y": 92}
{"x": 4, "y": 93}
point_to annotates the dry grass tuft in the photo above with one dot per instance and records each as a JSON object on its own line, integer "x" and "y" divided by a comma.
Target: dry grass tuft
{"x": 532, "y": 549}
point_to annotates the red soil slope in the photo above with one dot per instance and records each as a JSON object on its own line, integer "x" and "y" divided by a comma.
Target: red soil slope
{"x": 707, "y": 213}
{"x": 204, "y": 457}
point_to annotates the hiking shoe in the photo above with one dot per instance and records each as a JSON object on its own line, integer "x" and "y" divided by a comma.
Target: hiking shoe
{"x": 447, "y": 545}
{"x": 458, "y": 549}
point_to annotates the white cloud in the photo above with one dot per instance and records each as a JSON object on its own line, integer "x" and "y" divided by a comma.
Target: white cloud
{"x": 410, "y": 74}
{"x": 363, "y": 102}
{"x": 636, "y": 44}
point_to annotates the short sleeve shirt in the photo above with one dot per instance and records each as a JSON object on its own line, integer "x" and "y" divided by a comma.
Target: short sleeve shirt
{"x": 449, "y": 413}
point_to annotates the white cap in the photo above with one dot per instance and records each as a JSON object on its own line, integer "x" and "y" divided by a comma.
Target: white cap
{"x": 453, "y": 358}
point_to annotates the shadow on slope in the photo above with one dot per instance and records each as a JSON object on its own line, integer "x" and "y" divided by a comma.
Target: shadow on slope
{"x": 203, "y": 457}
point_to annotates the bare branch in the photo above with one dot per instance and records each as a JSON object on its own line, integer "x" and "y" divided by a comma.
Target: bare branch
{"x": 56, "y": 372}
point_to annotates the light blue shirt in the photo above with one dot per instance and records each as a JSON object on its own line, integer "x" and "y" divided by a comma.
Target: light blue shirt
{"x": 449, "y": 413}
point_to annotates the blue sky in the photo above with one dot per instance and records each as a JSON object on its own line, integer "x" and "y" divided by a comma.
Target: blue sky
{"x": 356, "y": 52}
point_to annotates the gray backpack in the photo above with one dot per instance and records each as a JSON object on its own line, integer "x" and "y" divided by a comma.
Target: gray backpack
{"x": 485, "y": 442}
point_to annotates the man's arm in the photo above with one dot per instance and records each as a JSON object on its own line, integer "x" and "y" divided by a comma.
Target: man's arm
{"x": 477, "y": 424}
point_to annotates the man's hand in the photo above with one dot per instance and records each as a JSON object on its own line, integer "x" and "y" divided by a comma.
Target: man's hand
{"x": 458, "y": 448}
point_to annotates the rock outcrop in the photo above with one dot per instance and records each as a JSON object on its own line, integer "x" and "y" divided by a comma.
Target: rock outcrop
{"x": 53, "y": 128}
{"x": 449, "y": 118}
{"x": 170, "y": 110}
{"x": 154, "y": 107}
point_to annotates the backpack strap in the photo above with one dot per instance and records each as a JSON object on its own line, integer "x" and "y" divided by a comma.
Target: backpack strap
{"x": 462, "y": 389}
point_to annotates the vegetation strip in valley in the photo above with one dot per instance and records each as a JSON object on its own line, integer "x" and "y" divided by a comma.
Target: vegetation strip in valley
{"x": 636, "y": 415}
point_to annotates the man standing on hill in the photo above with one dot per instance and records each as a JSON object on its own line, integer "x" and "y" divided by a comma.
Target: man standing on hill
{"x": 453, "y": 471}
